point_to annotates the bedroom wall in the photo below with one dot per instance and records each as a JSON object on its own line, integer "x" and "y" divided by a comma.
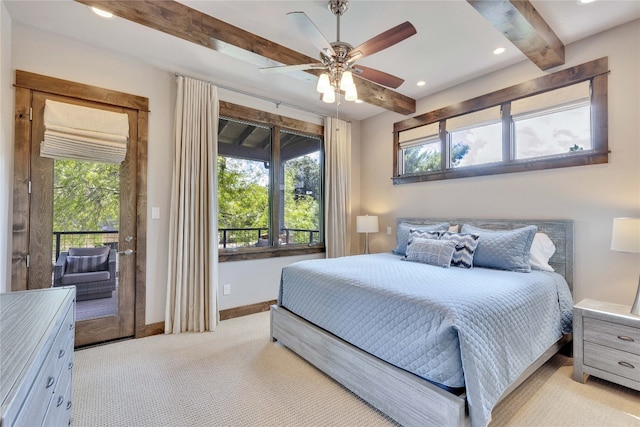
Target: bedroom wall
{"x": 46, "y": 53}
{"x": 6, "y": 148}
{"x": 590, "y": 195}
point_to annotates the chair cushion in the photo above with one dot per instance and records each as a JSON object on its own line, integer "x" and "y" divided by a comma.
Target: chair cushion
{"x": 86, "y": 264}
{"x": 77, "y": 278}
{"x": 100, "y": 250}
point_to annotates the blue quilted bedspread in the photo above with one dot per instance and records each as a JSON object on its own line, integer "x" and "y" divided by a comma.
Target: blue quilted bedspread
{"x": 476, "y": 328}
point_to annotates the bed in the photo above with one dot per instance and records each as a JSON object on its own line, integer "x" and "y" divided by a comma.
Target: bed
{"x": 439, "y": 354}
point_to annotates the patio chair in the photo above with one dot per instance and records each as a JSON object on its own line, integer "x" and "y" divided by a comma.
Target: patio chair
{"x": 91, "y": 270}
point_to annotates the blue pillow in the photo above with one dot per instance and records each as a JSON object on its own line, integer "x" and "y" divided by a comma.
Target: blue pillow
{"x": 430, "y": 251}
{"x": 404, "y": 230}
{"x": 503, "y": 249}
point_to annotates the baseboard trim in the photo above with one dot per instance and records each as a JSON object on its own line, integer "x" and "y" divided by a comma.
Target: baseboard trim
{"x": 230, "y": 313}
{"x": 245, "y": 310}
{"x": 153, "y": 329}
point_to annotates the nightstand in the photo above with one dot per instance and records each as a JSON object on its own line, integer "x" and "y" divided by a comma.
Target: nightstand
{"x": 606, "y": 343}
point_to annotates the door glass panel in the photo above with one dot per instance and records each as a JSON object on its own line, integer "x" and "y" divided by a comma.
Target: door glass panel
{"x": 86, "y": 212}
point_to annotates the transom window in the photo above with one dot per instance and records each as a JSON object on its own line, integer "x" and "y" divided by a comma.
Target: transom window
{"x": 559, "y": 120}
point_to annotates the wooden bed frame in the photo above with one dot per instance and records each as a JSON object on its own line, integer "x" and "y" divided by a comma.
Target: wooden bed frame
{"x": 405, "y": 397}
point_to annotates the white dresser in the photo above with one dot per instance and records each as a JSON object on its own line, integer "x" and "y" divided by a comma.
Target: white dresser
{"x": 37, "y": 330}
{"x": 606, "y": 343}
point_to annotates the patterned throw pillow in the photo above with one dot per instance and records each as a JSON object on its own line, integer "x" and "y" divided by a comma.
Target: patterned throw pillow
{"x": 430, "y": 251}
{"x": 465, "y": 244}
{"x": 404, "y": 230}
{"x": 423, "y": 234}
{"x": 503, "y": 249}
{"x": 85, "y": 264}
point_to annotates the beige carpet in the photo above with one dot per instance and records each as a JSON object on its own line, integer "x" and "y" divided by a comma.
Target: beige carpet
{"x": 237, "y": 377}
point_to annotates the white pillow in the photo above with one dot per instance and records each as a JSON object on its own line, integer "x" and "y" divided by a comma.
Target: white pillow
{"x": 542, "y": 249}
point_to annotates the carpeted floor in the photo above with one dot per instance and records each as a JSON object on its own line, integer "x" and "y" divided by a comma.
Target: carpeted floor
{"x": 237, "y": 377}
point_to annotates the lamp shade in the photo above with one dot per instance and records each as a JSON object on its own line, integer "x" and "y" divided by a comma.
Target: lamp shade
{"x": 626, "y": 235}
{"x": 367, "y": 224}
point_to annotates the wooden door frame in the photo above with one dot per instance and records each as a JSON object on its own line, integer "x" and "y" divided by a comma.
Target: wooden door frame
{"x": 27, "y": 82}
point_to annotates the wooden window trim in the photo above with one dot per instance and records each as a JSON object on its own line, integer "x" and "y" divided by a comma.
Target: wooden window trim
{"x": 277, "y": 123}
{"x": 596, "y": 71}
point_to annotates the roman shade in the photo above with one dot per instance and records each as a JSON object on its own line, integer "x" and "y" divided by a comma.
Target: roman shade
{"x": 417, "y": 135}
{"x": 553, "y": 98}
{"x": 82, "y": 133}
{"x": 475, "y": 119}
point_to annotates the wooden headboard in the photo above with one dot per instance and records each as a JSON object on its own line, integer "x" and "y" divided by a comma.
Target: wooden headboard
{"x": 560, "y": 232}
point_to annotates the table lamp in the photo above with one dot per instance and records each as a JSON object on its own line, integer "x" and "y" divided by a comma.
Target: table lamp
{"x": 626, "y": 238}
{"x": 366, "y": 224}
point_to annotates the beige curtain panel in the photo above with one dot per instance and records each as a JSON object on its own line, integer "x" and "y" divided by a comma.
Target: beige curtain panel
{"x": 193, "y": 233}
{"x": 337, "y": 148}
{"x": 82, "y": 133}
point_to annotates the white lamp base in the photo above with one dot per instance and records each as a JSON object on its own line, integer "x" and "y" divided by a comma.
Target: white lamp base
{"x": 635, "y": 309}
{"x": 366, "y": 243}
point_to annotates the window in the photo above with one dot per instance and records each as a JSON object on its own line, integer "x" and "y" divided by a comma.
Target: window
{"x": 269, "y": 185}
{"x": 475, "y": 138}
{"x": 559, "y": 120}
{"x": 420, "y": 150}
{"x": 302, "y": 195}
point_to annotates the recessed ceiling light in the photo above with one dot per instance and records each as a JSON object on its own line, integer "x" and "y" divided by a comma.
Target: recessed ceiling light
{"x": 102, "y": 13}
{"x": 421, "y": 83}
{"x": 499, "y": 50}
{"x": 585, "y": 1}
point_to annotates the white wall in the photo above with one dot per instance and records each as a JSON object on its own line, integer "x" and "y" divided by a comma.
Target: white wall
{"x": 49, "y": 54}
{"x": 590, "y": 195}
{"x": 6, "y": 149}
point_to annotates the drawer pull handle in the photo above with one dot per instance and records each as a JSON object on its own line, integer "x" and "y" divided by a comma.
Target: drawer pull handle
{"x": 626, "y": 365}
{"x": 625, "y": 338}
{"x": 50, "y": 381}
{"x": 70, "y": 326}
{"x": 68, "y": 405}
{"x": 60, "y": 401}
{"x": 70, "y": 365}
{"x": 61, "y": 354}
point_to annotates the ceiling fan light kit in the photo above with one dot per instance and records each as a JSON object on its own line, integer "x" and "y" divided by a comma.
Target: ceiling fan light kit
{"x": 337, "y": 59}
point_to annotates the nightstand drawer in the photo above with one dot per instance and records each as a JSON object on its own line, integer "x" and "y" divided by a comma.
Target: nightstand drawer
{"x": 613, "y": 335}
{"x": 617, "y": 362}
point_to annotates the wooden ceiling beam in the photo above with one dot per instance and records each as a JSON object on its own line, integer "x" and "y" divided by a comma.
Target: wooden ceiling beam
{"x": 189, "y": 24}
{"x": 521, "y": 23}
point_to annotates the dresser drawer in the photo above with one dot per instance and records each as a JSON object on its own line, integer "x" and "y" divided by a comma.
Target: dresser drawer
{"x": 59, "y": 413}
{"x": 613, "y": 335}
{"x": 614, "y": 361}
{"x": 54, "y": 369}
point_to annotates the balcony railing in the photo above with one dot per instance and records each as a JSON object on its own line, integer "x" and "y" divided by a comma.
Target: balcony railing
{"x": 227, "y": 238}
{"x": 63, "y": 240}
{"x": 231, "y": 238}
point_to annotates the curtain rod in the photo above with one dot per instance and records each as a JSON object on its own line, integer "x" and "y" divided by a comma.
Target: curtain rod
{"x": 264, "y": 98}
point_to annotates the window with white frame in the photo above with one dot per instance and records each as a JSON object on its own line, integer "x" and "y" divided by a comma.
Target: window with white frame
{"x": 553, "y": 123}
{"x": 475, "y": 138}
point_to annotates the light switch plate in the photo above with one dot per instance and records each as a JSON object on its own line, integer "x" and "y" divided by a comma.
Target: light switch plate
{"x": 155, "y": 213}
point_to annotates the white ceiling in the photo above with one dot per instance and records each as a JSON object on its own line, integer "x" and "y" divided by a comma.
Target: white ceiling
{"x": 454, "y": 43}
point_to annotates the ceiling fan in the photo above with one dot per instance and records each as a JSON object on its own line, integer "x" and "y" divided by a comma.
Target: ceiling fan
{"x": 338, "y": 59}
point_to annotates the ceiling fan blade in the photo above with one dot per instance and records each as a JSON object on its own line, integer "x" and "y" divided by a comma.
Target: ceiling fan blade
{"x": 383, "y": 40}
{"x": 377, "y": 76}
{"x": 309, "y": 29}
{"x": 290, "y": 68}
